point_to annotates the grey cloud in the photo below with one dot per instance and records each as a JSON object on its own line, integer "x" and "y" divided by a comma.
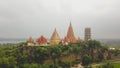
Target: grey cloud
{"x": 24, "y": 18}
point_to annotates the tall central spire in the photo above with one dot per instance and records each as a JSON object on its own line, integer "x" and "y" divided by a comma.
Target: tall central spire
{"x": 70, "y": 34}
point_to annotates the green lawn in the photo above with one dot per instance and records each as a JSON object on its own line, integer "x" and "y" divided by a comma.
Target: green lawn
{"x": 115, "y": 63}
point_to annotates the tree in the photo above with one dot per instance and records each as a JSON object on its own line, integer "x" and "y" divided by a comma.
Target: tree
{"x": 86, "y": 60}
{"x": 55, "y": 52}
{"x": 8, "y": 62}
{"x": 100, "y": 56}
{"x": 76, "y": 50}
{"x": 94, "y": 47}
{"x": 40, "y": 54}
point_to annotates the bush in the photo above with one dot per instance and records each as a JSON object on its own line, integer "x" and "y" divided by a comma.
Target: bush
{"x": 108, "y": 65}
{"x": 86, "y": 60}
{"x": 65, "y": 64}
{"x": 32, "y": 65}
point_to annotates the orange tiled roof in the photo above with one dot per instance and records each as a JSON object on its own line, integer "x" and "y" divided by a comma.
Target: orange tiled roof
{"x": 41, "y": 40}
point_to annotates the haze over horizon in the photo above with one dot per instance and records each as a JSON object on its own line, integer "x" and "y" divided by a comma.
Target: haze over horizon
{"x": 24, "y": 18}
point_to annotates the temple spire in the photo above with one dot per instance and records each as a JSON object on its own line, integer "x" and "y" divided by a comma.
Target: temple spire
{"x": 55, "y": 39}
{"x": 70, "y": 34}
{"x": 70, "y": 24}
{"x": 55, "y": 30}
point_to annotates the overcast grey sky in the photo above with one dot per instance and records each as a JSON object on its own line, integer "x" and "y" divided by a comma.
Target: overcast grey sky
{"x": 24, "y": 18}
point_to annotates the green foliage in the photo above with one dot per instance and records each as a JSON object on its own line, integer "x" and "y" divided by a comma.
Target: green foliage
{"x": 116, "y": 52}
{"x": 86, "y": 60}
{"x": 100, "y": 56}
{"x": 65, "y": 64}
{"x": 76, "y": 50}
{"x": 108, "y": 65}
{"x": 7, "y": 62}
{"x": 116, "y": 65}
{"x": 32, "y": 65}
{"x": 55, "y": 52}
{"x": 34, "y": 56}
{"x": 40, "y": 54}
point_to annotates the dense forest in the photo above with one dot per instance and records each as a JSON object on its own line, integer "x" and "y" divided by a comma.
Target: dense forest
{"x": 58, "y": 56}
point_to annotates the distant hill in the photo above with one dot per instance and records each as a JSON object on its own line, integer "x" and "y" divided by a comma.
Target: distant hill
{"x": 111, "y": 42}
{"x": 11, "y": 40}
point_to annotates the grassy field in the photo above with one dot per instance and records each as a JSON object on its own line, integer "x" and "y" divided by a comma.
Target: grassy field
{"x": 112, "y": 63}
{"x": 116, "y": 65}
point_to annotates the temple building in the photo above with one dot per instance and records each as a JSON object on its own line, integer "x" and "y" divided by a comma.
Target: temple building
{"x": 64, "y": 41}
{"x": 41, "y": 41}
{"x": 30, "y": 42}
{"x": 70, "y": 35}
{"x": 55, "y": 39}
{"x": 87, "y": 34}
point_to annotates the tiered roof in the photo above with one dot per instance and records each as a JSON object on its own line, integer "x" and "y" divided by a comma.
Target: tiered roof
{"x": 41, "y": 40}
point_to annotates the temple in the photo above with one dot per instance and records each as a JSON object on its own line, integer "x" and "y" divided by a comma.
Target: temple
{"x": 55, "y": 39}
{"x": 87, "y": 34}
{"x": 30, "y": 41}
{"x": 41, "y": 41}
{"x": 70, "y": 36}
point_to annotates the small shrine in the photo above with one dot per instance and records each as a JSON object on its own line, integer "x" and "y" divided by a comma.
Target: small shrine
{"x": 41, "y": 41}
{"x": 30, "y": 42}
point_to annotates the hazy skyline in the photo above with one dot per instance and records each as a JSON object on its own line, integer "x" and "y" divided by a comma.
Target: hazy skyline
{"x": 24, "y": 18}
